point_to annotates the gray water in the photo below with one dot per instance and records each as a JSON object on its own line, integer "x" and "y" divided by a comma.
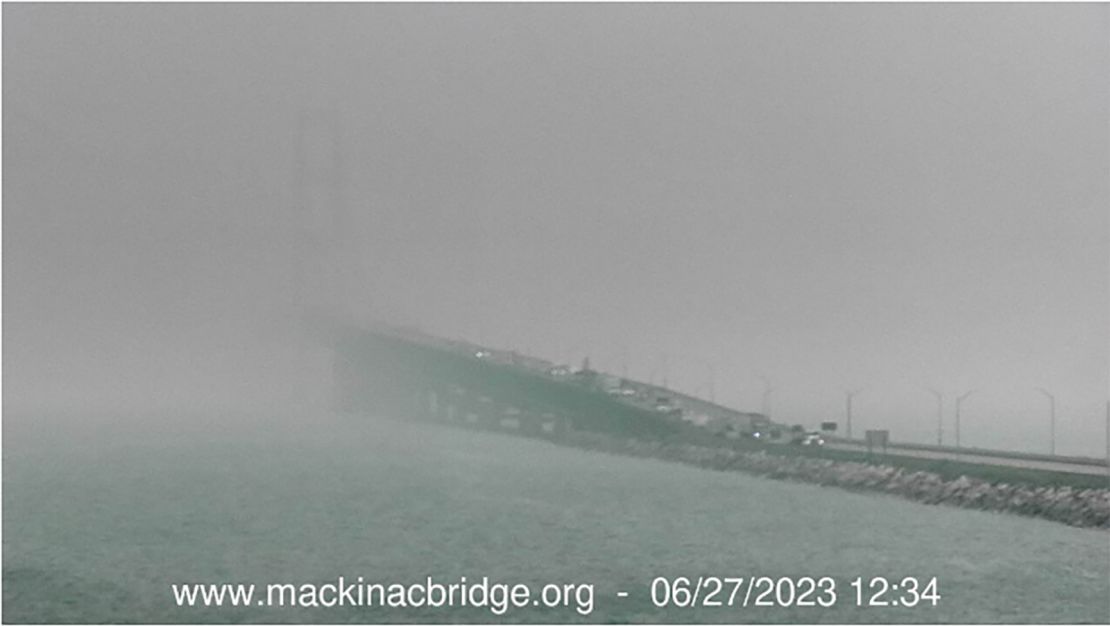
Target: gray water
{"x": 100, "y": 520}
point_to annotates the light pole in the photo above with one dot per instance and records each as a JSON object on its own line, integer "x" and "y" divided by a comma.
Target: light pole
{"x": 848, "y": 395}
{"x": 712, "y": 374}
{"x": 959, "y": 401}
{"x": 940, "y": 416}
{"x": 1052, "y": 419}
{"x": 712, "y": 382}
{"x": 765, "y": 406}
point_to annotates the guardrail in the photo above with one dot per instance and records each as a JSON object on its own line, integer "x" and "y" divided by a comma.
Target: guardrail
{"x": 988, "y": 452}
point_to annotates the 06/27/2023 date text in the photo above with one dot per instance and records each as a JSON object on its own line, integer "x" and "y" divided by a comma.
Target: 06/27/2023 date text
{"x": 785, "y": 591}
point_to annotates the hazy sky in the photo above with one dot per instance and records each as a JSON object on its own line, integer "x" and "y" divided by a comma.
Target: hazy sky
{"x": 832, "y": 196}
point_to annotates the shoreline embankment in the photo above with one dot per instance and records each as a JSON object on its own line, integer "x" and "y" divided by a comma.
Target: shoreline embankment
{"x": 1088, "y": 508}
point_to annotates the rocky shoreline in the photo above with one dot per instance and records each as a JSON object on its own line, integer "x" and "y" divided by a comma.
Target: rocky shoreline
{"x": 1077, "y": 507}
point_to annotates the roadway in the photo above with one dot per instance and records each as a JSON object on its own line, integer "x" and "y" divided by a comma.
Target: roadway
{"x": 971, "y": 457}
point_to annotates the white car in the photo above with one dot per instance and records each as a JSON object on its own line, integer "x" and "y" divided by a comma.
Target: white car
{"x": 812, "y": 439}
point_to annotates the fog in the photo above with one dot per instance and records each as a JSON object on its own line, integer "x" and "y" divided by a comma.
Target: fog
{"x": 825, "y": 197}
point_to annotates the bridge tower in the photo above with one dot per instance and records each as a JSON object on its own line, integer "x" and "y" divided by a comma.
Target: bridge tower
{"x": 321, "y": 250}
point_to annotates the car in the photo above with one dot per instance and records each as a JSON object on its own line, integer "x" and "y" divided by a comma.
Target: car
{"x": 811, "y": 439}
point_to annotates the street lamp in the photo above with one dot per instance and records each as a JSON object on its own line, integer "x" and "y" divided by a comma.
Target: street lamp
{"x": 712, "y": 374}
{"x": 617, "y": 360}
{"x": 848, "y": 395}
{"x": 712, "y": 382}
{"x": 765, "y": 406}
{"x": 1052, "y": 419}
{"x": 959, "y": 401}
{"x": 940, "y": 416}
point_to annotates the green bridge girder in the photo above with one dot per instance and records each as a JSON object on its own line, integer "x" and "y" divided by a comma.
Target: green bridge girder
{"x": 380, "y": 372}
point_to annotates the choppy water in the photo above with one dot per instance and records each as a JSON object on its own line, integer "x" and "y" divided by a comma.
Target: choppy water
{"x": 101, "y": 518}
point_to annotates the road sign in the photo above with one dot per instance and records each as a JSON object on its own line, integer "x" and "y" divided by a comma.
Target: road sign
{"x": 876, "y": 439}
